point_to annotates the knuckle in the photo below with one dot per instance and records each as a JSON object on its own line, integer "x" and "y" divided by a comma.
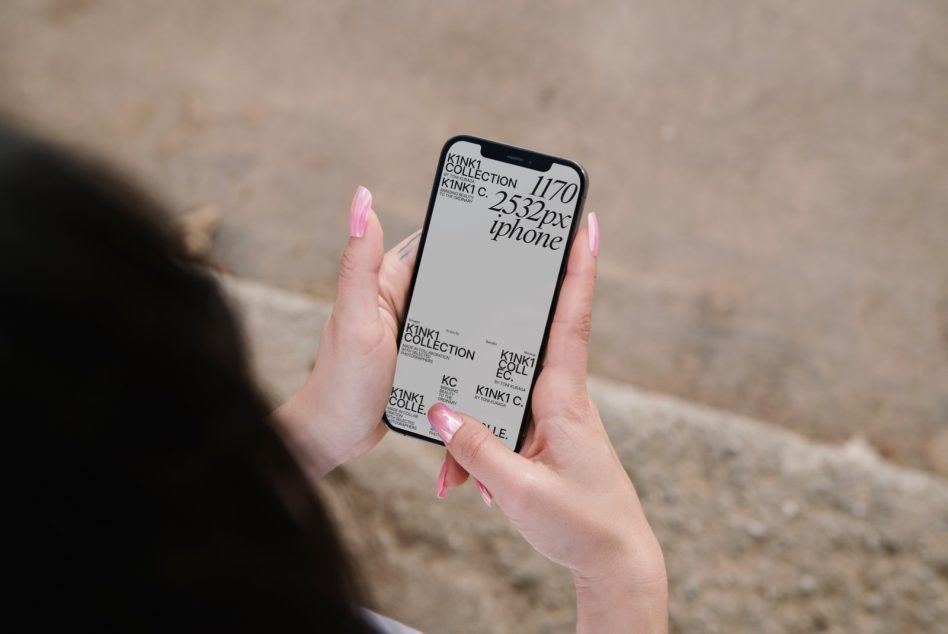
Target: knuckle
{"x": 574, "y": 409}
{"x": 583, "y": 326}
{"x": 568, "y": 393}
{"x": 472, "y": 445}
{"x": 352, "y": 334}
{"x": 349, "y": 267}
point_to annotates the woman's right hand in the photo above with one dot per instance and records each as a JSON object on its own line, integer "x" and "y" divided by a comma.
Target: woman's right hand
{"x": 567, "y": 492}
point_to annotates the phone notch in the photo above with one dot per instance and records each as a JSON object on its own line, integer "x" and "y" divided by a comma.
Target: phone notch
{"x": 517, "y": 156}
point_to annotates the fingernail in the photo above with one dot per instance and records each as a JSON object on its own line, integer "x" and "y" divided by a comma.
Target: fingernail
{"x": 485, "y": 494}
{"x": 445, "y": 421}
{"x": 359, "y": 211}
{"x": 592, "y": 221}
{"x": 442, "y": 485}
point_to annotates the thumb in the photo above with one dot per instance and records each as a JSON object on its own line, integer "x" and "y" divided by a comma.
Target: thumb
{"x": 476, "y": 449}
{"x": 357, "y": 291}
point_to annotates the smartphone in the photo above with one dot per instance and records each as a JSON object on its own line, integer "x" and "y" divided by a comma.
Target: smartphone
{"x": 490, "y": 263}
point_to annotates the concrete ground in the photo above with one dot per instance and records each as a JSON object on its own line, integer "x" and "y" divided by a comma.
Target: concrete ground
{"x": 762, "y": 531}
{"x": 771, "y": 177}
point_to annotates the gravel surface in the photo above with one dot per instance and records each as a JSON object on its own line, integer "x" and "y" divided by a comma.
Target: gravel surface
{"x": 763, "y": 530}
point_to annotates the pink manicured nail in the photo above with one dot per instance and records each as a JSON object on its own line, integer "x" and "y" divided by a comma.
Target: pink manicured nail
{"x": 442, "y": 485}
{"x": 445, "y": 421}
{"x": 359, "y": 212}
{"x": 485, "y": 494}
{"x": 592, "y": 221}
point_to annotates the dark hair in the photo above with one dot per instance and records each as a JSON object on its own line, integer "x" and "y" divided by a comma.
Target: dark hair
{"x": 152, "y": 493}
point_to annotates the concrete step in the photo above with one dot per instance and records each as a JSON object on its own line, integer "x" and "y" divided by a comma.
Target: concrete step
{"x": 762, "y": 530}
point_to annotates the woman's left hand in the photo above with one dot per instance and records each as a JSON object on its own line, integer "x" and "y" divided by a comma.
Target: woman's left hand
{"x": 337, "y": 414}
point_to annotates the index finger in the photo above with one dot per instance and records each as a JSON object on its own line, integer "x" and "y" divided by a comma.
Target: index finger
{"x": 569, "y": 333}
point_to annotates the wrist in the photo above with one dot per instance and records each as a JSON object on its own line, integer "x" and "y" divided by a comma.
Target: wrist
{"x": 296, "y": 421}
{"x": 628, "y": 594}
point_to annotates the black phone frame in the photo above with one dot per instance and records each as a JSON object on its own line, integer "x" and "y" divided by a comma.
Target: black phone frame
{"x": 522, "y": 158}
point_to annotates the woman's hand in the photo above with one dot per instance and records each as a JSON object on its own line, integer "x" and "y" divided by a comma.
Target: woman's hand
{"x": 337, "y": 414}
{"x": 567, "y": 492}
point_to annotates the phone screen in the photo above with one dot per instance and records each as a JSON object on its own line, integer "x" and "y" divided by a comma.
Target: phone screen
{"x": 493, "y": 251}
